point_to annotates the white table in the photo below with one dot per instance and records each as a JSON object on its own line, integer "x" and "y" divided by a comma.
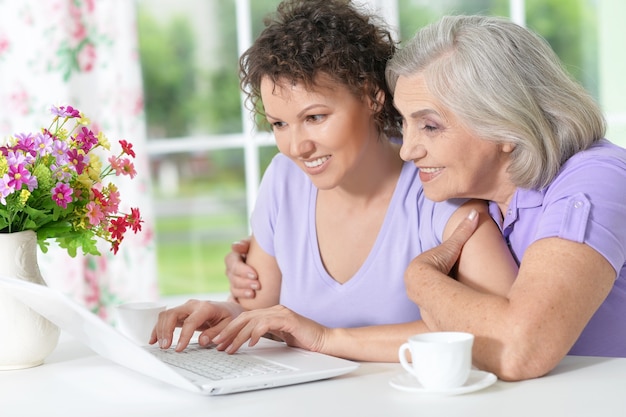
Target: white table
{"x": 75, "y": 382}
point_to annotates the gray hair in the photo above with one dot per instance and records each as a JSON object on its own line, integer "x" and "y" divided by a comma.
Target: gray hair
{"x": 505, "y": 84}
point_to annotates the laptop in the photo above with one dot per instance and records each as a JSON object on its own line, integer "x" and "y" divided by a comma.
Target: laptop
{"x": 286, "y": 365}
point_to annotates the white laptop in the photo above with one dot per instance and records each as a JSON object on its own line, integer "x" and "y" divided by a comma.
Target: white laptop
{"x": 285, "y": 365}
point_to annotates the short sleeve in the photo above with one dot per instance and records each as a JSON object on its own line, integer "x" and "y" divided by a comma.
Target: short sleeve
{"x": 434, "y": 217}
{"x": 586, "y": 203}
{"x": 265, "y": 210}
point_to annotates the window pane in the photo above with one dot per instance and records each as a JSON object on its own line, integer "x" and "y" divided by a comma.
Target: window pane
{"x": 189, "y": 58}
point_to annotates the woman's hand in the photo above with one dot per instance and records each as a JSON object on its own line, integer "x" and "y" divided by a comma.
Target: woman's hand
{"x": 205, "y": 316}
{"x": 279, "y": 321}
{"x": 243, "y": 278}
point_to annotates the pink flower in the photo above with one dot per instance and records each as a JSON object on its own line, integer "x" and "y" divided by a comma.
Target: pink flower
{"x": 63, "y": 111}
{"x": 94, "y": 213}
{"x": 18, "y": 176}
{"x": 128, "y": 168}
{"x": 116, "y": 165}
{"x": 86, "y": 139}
{"x": 114, "y": 200}
{"x": 62, "y": 194}
{"x": 78, "y": 159}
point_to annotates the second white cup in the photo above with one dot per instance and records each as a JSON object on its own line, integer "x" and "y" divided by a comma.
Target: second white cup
{"x": 136, "y": 320}
{"x": 440, "y": 360}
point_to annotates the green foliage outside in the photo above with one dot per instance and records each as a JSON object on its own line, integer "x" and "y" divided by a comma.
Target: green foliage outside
{"x": 569, "y": 26}
{"x": 166, "y": 53}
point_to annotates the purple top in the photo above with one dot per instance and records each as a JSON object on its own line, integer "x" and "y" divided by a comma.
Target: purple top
{"x": 283, "y": 222}
{"x": 585, "y": 203}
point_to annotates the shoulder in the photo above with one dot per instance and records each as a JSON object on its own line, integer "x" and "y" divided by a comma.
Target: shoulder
{"x": 281, "y": 167}
{"x": 280, "y": 163}
{"x": 598, "y": 170}
{"x": 602, "y": 155}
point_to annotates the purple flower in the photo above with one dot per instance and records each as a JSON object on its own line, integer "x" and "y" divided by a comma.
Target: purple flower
{"x": 63, "y": 111}
{"x": 61, "y": 173}
{"x": 43, "y": 143}
{"x": 59, "y": 150}
{"x": 5, "y": 189}
{"x": 26, "y": 144}
{"x": 62, "y": 194}
{"x": 16, "y": 158}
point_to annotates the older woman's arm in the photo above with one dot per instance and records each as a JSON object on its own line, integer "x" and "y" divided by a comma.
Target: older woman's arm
{"x": 525, "y": 334}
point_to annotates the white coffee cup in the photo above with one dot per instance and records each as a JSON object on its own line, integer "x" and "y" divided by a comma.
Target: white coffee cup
{"x": 440, "y": 360}
{"x": 136, "y": 320}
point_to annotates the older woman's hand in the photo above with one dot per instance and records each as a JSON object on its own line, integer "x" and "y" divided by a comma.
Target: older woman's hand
{"x": 243, "y": 278}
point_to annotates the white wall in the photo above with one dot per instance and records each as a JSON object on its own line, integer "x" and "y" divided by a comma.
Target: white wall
{"x": 612, "y": 67}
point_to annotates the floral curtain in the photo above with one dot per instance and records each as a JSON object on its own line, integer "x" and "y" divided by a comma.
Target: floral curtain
{"x": 83, "y": 53}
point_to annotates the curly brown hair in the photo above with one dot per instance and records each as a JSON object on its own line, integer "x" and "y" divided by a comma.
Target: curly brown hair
{"x": 305, "y": 39}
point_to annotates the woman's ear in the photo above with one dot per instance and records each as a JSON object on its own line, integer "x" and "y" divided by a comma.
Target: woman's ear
{"x": 508, "y": 147}
{"x": 378, "y": 104}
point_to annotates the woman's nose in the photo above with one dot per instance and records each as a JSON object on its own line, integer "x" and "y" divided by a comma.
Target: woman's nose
{"x": 411, "y": 149}
{"x": 300, "y": 145}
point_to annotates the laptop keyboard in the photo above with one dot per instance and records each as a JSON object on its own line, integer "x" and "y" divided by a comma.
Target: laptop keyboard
{"x": 217, "y": 365}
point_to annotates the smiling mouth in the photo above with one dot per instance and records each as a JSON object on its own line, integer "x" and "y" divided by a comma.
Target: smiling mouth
{"x": 316, "y": 162}
{"x": 430, "y": 170}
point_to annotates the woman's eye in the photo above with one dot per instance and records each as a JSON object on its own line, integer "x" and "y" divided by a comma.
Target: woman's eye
{"x": 315, "y": 117}
{"x": 428, "y": 126}
{"x": 277, "y": 125}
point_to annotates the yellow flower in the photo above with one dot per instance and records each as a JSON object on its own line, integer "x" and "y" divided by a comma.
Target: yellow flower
{"x": 84, "y": 120}
{"x": 95, "y": 167}
{"x": 4, "y": 166}
{"x": 84, "y": 180}
{"x": 61, "y": 134}
{"x": 103, "y": 141}
{"x": 24, "y": 195}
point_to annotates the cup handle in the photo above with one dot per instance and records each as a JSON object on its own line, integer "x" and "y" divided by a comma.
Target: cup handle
{"x": 402, "y": 357}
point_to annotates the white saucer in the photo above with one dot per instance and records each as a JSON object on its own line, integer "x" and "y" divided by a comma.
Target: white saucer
{"x": 477, "y": 380}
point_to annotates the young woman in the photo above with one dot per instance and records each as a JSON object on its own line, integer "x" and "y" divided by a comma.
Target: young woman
{"x": 339, "y": 214}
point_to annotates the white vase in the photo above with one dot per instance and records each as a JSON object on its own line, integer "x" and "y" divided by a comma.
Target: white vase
{"x": 27, "y": 338}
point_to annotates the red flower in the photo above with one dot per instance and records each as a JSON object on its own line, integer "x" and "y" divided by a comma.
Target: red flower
{"x": 134, "y": 220}
{"x": 127, "y": 148}
{"x": 118, "y": 228}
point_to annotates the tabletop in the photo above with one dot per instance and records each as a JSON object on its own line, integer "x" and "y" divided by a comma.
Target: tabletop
{"x": 74, "y": 381}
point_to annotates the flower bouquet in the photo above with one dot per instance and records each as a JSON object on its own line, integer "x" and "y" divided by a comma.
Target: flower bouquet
{"x": 54, "y": 183}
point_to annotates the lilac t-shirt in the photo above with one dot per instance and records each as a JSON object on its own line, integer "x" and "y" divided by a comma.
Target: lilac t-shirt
{"x": 585, "y": 203}
{"x": 283, "y": 223}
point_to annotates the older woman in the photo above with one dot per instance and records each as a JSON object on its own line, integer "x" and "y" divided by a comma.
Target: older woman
{"x": 488, "y": 112}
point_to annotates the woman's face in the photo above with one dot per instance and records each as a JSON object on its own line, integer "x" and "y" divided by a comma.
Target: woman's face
{"x": 453, "y": 162}
{"x": 326, "y": 131}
